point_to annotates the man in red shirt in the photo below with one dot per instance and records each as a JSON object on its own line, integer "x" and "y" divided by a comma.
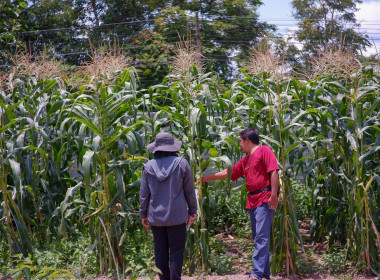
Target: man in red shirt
{"x": 260, "y": 169}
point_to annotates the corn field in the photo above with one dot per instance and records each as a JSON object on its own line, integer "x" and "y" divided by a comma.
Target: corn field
{"x": 72, "y": 151}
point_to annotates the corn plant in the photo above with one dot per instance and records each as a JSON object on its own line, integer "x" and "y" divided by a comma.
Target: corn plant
{"x": 71, "y": 156}
{"x": 7, "y": 119}
{"x": 29, "y": 112}
{"x": 349, "y": 147}
{"x": 273, "y": 114}
{"x": 101, "y": 114}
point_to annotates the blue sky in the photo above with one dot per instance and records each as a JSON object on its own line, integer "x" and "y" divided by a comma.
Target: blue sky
{"x": 279, "y": 12}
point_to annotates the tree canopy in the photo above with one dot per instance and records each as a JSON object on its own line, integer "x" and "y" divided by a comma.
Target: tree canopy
{"x": 147, "y": 31}
{"x": 10, "y": 25}
{"x": 327, "y": 23}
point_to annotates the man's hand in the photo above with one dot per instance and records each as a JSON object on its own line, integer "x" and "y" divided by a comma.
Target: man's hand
{"x": 200, "y": 181}
{"x": 274, "y": 182}
{"x": 145, "y": 223}
{"x": 191, "y": 219}
{"x": 273, "y": 202}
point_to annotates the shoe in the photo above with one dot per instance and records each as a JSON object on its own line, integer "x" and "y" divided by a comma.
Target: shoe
{"x": 253, "y": 277}
{"x": 267, "y": 277}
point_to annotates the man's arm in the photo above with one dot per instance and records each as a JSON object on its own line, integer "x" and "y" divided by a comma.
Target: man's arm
{"x": 217, "y": 176}
{"x": 274, "y": 182}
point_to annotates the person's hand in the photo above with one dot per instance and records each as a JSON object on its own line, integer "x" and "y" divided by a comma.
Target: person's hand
{"x": 273, "y": 202}
{"x": 145, "y": 223}
{"x": 191, "y": 220}
{"x": 200, "y": 180}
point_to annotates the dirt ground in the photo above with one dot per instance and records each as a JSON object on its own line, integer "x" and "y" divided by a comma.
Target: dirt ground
{"x": 316, "y": 276}
{"x": 239, "y": 251}
{"x": 321, "y": 275}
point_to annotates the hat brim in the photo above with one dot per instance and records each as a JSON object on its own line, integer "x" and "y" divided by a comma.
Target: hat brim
{"x": 165, "y": 148}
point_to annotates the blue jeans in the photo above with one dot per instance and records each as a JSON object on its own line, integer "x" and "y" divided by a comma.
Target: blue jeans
{"x": 261, "y": 222}
{"x": 169, "y": 245}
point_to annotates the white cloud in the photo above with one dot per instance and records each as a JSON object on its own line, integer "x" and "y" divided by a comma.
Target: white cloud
{"x": 368, "y": 17}
{"x": 368, "y": 11}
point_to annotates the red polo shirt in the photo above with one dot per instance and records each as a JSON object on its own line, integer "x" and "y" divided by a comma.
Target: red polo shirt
{"x": 256, "y": 168}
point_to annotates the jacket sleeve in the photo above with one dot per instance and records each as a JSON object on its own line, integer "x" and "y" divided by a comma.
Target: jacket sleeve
{"x": 188, "y": 187}
{"x": 144, "y": 195}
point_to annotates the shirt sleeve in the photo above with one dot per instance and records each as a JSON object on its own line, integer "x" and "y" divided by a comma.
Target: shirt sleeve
{"x": 269, "y": 159}
{"x": 144, "y": 195}
{"x": 188, "y": 187}
{"x": 237, "y": 170}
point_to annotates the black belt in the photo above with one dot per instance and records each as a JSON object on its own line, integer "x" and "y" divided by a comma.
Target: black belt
{"x": 261, "y": 190}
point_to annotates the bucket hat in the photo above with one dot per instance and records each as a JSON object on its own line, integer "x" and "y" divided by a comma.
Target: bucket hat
{"x": 164, "y": 142}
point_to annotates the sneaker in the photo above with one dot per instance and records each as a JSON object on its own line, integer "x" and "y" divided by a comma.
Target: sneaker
{"x": 267, "y": 277}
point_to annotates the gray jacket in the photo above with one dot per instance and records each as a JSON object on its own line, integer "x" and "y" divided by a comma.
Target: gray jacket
{"x": 167, "y": 193}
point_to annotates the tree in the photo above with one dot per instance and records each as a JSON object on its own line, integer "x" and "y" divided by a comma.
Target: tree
{"x": 328, "y": 23}
{"x": 225, "y": 27}
{"x": 145, "y": 30}
{"x": 10, "y": 26}
{"x": 149, "y": 29}
{"x": 56, "y": 25}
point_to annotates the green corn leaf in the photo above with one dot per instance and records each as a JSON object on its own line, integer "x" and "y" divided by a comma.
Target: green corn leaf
{"x": 131, "y": 140}
{"x": 368, "y": 153}
{"x": 16, "y": 170}
{"x": 90, "y": 125}
{"x": 7, "y": 126}
{"x": 290, "y": 148}
{"x": 87, "y": 159}
{"x": 98, "y": 210}
{"x": 226, "y": 161}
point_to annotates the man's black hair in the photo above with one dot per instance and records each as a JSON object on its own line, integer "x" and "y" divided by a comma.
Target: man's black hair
{"x": 162, "y": 154}
{"x": 252, "y": 134}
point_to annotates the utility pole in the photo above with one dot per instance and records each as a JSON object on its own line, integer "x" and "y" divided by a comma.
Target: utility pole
{"x": 95, "y": 12}
{"x": 198, "y": 34}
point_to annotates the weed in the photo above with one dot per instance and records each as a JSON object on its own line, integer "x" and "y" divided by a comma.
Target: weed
{"x": 60, "y": 257}
{"x": 220, "y": 264}
{"x": 25, "y": 268}
{"x": 307, "y": 263}
{"x": 303, "y": 196}
{"x": 335, "y": 261}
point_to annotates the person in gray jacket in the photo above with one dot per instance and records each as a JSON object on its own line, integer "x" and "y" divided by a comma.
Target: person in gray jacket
{"x": 167, "y": 201}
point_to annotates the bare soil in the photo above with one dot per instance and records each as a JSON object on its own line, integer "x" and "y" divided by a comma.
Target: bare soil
{"x": 239, "y": 250}
{"x": 242, "y": 264}
{"x": 317, "y": 276}
{"x": 321, "y": 275}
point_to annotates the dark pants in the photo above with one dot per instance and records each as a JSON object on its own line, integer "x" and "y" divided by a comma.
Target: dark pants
{"x": 169, "y": 245}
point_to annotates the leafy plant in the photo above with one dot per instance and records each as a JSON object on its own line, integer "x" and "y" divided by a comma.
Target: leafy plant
{"x": 303, "y": 196}
{"x": 71, "y": 158}
{"x": 335, "y": 260}
{"x": 25, "y": 268}
{"x": 308, "y": 262}
{"x": 221, "y": 264}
